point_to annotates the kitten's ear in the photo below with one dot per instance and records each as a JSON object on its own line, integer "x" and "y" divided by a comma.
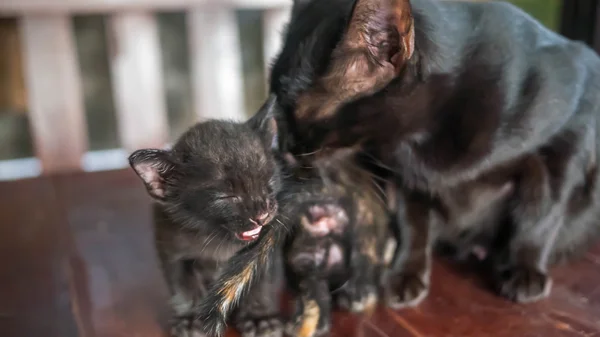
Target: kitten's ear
{"x": 265, "y": 123}
{"x": 383, "y": 28}
{"x": 155, "y": 169}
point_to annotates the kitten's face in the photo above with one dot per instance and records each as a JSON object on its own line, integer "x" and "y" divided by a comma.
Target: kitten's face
{"x": 220, "y": 177}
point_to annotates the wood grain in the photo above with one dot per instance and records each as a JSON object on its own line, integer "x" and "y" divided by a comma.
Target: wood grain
{"x": 34, "y": 262}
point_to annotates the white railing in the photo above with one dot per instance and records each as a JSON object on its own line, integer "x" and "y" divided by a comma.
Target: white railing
{"x": 53, "y": 82}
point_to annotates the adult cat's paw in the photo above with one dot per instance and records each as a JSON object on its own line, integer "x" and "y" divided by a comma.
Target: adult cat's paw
{"x": 524, "y": 285}
{"x": 357, "y": 297}
{"x": 405, "y": 290}
{"x": 185, "y": 327}
{"x": 267, "y": 326}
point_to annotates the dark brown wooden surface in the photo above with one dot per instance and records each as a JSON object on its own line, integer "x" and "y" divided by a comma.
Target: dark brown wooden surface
{"x": 76, "y": 259}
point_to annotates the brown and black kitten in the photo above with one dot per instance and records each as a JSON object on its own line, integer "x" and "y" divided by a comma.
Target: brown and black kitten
{"x": 341, "y": 240}
{"x": 213, "y": 193}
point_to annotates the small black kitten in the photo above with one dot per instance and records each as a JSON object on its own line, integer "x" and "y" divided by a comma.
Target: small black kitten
{"x": 213, "y": 191}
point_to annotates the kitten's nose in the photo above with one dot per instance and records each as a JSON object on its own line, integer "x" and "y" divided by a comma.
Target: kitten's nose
{"x": 260, "y": 219}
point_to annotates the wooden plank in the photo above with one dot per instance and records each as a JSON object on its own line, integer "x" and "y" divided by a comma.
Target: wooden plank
{"x": 274, "y": 21}
{"x": 19, "y": 7}
{"x": 216, "y": 63}
{"x": 138, "y": 90}
{"x": 53, "y": 84}
{"x": 117, "y": 286}
{"x": 34, "y": 262}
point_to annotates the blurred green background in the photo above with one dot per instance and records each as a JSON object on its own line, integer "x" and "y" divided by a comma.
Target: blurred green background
{"x": 546, "y": 11}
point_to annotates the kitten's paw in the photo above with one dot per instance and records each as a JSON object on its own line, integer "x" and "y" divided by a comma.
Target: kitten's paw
{"x": 185, "y": 327}
{"x": 357, "y": 297}
{"x": 269, "y": 326}
{"x": 524, "y": 285}
{"x": 405, "y": 290}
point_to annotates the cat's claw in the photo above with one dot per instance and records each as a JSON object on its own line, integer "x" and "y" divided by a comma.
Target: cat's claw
{"x": 524, "y": 285}
{"x": 261, "y": 327}
{"x": 357, "y": 297}
{"x": 405, "y": 290}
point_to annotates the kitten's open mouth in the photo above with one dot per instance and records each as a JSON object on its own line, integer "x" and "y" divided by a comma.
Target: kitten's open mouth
{"x": 249, "y": 235}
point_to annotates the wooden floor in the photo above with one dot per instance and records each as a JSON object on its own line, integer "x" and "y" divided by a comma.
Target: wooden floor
{"x": 76, "y": 259}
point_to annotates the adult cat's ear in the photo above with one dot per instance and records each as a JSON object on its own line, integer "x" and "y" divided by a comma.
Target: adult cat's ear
{"x": 384, "y": 29}
{"x": 299, "y": 5}
{"x": 155, "y": 169}
{"x": 265, "y": 123}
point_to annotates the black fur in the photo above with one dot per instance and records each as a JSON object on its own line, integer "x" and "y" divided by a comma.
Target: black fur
{"x": 487, "y": 99}
{"x": 509, "y": 110}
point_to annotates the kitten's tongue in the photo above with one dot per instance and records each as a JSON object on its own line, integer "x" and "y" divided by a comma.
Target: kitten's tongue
{"x": 251, "y": 235}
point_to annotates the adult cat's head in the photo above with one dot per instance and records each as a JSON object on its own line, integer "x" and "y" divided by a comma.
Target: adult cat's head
{"x": 335, "y": 52}
{"x": 219, "y": 177}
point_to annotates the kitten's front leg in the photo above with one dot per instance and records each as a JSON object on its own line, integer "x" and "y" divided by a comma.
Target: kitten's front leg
{"x": 313, "y": 309}
{"x": 407, "y": 282}
{"x": 259, "y": 314}
{"x": 360, "y": 292}
{"x": 521, "y": 266}
{"x": 187, "y": 285}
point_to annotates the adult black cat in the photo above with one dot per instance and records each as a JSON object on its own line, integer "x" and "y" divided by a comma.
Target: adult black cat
{"x": 445, "y": 95}
{"x": 213, "y": 191}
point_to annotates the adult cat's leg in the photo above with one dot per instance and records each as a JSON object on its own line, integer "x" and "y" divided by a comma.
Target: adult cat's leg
{"x": 259, "y": 313}
{"x": 313, "y": 309}
{"x": 407, "y": 282}
{"x": 521, "y": 263}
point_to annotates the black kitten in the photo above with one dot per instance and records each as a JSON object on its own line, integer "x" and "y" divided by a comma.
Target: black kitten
{"x": 213, "y": 191}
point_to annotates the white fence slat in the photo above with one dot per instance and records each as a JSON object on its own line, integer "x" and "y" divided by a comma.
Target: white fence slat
{"x": 56, "y": 111}
{"x": 20, "y": 7}
{"x": 216, "y": 63}
{"x": 136, "y": 69}
{"x": 274, "y": 21}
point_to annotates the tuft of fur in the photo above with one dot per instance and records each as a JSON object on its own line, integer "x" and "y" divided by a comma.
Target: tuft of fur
{"x": 241, "y": 272}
